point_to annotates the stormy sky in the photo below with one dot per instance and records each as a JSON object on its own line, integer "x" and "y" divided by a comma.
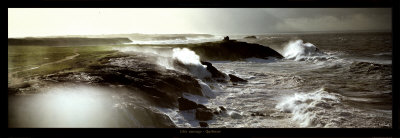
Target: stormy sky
{"x": 47, "y": 22}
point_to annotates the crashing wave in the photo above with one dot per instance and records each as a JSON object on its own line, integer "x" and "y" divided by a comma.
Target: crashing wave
{"x": 309, "y": 109}
{"x": 299, "y": 51}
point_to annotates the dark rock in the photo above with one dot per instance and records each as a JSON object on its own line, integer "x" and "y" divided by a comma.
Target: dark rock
{"x": 222, "y": 108}
{"x": 134, "y": 72}
{"x": 204, "y": 114}
{"x": 250, "y": 37}
{"x": 185, "y": 104}
{"x": 216, "y": 112}
{"x": 203, "y": 124}
{"x": 215, "y": 73}
{"x": 236, "y": 79}
{"x": 232, "y": 50}
{"x": 201, "y": 106}
{"x": 257, "y": 114}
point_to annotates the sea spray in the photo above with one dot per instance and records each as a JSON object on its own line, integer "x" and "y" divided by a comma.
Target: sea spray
{"x": 191, "y": 61}
{"x": 297, "y": 50}
{"x": 308, "y": 109}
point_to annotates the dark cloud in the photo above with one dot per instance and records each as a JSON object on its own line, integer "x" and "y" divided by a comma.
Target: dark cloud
{"x": 249, "y": 21}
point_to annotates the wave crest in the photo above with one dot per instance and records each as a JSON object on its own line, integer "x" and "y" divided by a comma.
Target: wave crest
{"x": 309, "y": 108}
{"x": 298, "y": 50}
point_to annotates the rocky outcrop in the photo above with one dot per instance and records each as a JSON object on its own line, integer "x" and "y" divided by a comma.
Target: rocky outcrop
{"x": 215, "y": 73}
{"x": 233, "y": 78}
{"x": 185, "y": 104}
{"x": 231, "y": 50}
{"x": 161, "y": 87}
{"x": 204, "y": 114}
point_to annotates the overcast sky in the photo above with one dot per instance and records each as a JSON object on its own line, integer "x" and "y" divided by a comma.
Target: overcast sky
{"x": 24, "y": 22}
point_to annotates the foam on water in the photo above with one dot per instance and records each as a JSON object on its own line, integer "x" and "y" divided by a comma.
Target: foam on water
{"x": 306, "y": 108}
{"x": 297, "y": 50}
{"x": 192, "y": 60}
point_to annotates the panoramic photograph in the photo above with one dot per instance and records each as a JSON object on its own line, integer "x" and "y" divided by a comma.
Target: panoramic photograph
{"x": 200, "y": 68}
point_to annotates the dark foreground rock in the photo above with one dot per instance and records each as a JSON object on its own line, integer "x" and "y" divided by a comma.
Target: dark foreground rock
{"x": 233, "y": 78}
{"x": 215, "y": 73}
{"x": 185, "y": 104}
{"x": 201, "y": 106}
{"x": 204, "y": 114}
{"x": 203, "y": 124}
{"x": 161, "y": 87}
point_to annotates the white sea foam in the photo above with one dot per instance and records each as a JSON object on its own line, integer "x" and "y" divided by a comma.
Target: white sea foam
{"x": 297, "y": 50}
{"x": 192, "y": 61}
{"x": 308, "y": 108}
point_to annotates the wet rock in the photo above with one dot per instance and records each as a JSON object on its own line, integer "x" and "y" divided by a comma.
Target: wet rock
{"x": 137, "y": 75}
{"x": 215, "y": 73}
{"x": 185, "y": 104}
{"x": 201, "y": 106}
{"x": 222, "y": 108}
{"x": 204, "y": 114}
{"x": 203, "y": 124}
{"x": 233, "y": 78}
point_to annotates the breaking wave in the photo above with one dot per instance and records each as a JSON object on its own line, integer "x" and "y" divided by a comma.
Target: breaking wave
{"x": 191, "y": 62}
{"x": 308, "y": 109}
{"x": 298, "y": 50}
{"x": 179, "y": 59}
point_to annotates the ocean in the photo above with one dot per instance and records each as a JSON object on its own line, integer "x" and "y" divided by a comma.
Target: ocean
{"x": 324, "y": 80}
